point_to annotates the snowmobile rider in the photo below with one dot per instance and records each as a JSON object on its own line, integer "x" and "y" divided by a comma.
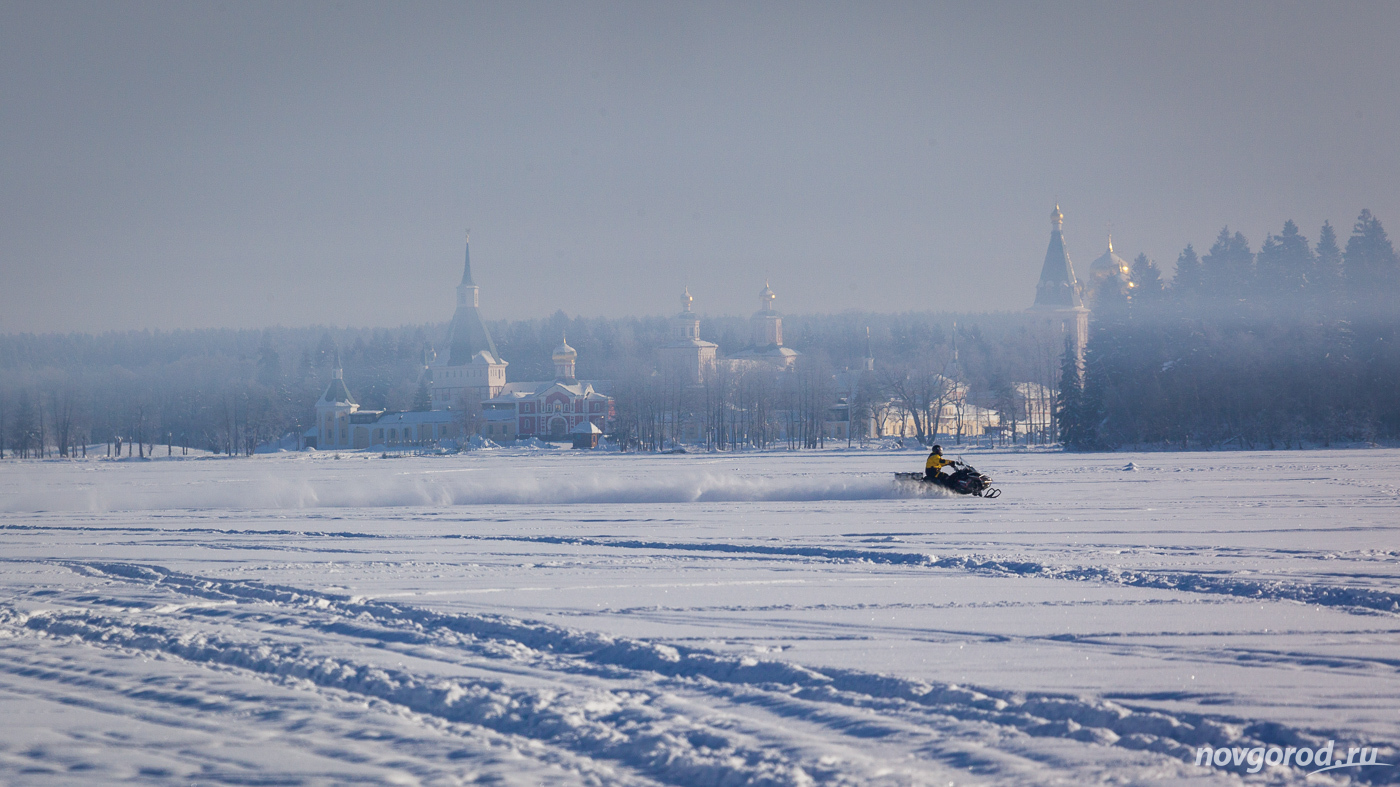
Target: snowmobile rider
{"x": 935, "y": 463}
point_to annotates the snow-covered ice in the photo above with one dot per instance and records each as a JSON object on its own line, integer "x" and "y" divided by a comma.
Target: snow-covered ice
{"x": 561, "y": 617}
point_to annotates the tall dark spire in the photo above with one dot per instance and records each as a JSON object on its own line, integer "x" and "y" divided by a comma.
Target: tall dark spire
{"x": 336, "y": 392}
{"x": 1058, "y": 288}
{"x": 469, "y": 334}
{"x": 467, "y": 271}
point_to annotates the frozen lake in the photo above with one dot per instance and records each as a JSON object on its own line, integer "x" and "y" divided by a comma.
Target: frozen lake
{"x": 569, "y": 617}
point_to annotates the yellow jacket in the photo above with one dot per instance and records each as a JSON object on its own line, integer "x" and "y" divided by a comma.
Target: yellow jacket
{"x": 936, "y": 462}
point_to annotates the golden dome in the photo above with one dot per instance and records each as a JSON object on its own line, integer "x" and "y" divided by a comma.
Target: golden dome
{"x": 564, "y": 352}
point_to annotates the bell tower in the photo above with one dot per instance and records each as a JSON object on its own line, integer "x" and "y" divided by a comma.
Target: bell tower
{"x": 766, "y": 323}
{"x": 1058, "y": 294}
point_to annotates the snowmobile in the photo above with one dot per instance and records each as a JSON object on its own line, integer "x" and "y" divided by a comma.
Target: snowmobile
{"x": 964, "y": 480}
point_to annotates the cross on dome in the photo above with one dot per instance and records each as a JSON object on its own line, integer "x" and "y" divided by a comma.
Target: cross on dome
{"x": 564, "y": 350}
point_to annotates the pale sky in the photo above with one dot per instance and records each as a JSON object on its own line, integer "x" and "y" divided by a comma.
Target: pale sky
{"x": 181, "y": 165}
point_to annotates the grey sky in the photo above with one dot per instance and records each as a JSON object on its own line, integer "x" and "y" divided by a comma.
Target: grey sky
{"x": 242, "y": 164}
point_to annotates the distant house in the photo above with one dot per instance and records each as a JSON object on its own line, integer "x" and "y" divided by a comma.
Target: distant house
{"x": 341, "y": 424}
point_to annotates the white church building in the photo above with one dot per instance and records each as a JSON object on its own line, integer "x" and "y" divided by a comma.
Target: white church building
{"x": 471, "y": 374}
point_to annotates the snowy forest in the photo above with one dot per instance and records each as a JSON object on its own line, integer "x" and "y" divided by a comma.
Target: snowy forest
{"x": 1290, "y": 346}
{"x": 229, "y": 391}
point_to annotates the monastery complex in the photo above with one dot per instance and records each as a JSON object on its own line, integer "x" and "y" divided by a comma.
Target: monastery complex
{"x": 472, "y": 375}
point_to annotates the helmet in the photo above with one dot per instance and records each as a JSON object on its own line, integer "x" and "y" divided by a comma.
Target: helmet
{"x": 938, "y": 449}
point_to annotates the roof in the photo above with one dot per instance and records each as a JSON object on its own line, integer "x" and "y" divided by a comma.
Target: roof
{"x": 485, "y": 357}
{"x": 413, "y": 417}
{"x": 689, "y": 343}
{"x": 469, "y": 336}
{"x": 1058, "y": 288}
{"x": 770, "y": 351}
{"x": 511, "y": 392}
{"x": 467, "y": 271}
{"x": 586, "y": 427}
{"x": 337, "y": 393}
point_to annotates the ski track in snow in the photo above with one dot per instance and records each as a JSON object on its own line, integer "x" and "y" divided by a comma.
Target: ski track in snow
{"x": 651, "y": 728}
{"x": 147, "y": 636}
{"x": 1322, "y": 595}
{"x": 1357, "y": 599}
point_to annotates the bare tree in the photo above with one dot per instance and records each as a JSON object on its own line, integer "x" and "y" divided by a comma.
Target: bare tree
{"x": 921, "y": 389}
{"x": 469, "y": 419}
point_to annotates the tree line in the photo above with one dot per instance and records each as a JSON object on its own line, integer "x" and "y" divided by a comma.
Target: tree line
{"x": 1291, "y": 345}
{"x": 227, "y": 391}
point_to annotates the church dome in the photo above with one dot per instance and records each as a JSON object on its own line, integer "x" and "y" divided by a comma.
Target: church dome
{"x": 564, "y": 352}
{"x": 766, "y": 298}
{"x": 1110, "y": 264}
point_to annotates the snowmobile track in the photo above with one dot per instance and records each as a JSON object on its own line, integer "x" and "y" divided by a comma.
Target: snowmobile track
{"x": 665, "y": 713}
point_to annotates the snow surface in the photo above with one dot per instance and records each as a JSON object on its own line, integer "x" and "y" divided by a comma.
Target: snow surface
{"x": 561, "y": 617}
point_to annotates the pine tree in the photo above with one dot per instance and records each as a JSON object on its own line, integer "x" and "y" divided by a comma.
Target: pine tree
{"x": 1282, "y": 269}
{"x": 1067, "y": 414}
{"x": 1089, "y": 414}
{"x": 1107, "y": 366}
{"x": 423, "y": 398}
{"x": 1228, "y": 270}
{"x": 1188, "y": 283}
{"x": 1325, "y": 288}
{"x": 1371, "y": 268}
{"x": 1147, "y": 282}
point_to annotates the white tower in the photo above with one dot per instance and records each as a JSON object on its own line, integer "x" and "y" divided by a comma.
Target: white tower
{"x": 472, "y": 368}
{"x": 333, "y": 411}
{"x": 767, "y": 323}
{"x": 687, "y": 358}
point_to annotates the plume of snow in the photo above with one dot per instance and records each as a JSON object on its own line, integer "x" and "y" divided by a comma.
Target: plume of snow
{"x": 365, "y": 484}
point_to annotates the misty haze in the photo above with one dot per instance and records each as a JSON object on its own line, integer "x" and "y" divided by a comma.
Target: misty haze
{"x": 705, "y": 394}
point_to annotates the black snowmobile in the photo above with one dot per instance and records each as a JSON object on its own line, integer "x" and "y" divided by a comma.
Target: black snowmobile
{"x": 964, "y": 480}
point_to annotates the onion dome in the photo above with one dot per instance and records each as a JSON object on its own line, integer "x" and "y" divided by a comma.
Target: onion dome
{"x": 564, "y": 352}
